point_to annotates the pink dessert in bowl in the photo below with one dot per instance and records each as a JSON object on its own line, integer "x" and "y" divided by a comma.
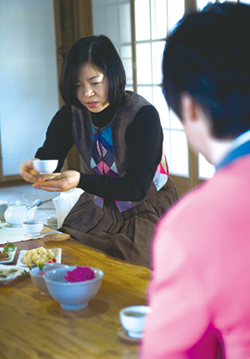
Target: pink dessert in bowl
{"x": 80, "y": 274}
{"x": 75, "y": 286}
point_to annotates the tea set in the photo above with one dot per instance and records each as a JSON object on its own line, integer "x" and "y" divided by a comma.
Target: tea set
{"x": 20, "y": 214}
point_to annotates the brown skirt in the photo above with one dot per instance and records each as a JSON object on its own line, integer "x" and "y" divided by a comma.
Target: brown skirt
{"x": 126, "y": 235}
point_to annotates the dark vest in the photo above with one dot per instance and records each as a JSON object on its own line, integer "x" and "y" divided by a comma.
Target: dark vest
{"x": 85, "y": 134}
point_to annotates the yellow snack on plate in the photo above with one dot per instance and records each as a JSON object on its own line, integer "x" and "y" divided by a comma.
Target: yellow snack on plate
{"x": 38, "y": 255}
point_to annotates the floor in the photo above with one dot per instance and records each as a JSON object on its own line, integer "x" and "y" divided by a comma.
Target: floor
{"x": 25, "y": 193}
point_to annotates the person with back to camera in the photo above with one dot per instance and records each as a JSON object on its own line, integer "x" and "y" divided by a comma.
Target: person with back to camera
{"x": 199, "y": 292}
{"x": 119, "y": 138}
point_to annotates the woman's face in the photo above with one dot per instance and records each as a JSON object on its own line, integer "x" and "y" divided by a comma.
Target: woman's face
{"x": 92, "y": 88}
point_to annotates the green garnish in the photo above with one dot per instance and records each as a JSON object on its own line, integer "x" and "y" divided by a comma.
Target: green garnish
{"x": 24, "y": 273}
{"x": 8, "y": 247}
{"x": 40, "y": 265}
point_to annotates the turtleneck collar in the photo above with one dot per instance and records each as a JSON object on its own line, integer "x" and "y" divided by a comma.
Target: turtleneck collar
{"x": 103, "y": 118}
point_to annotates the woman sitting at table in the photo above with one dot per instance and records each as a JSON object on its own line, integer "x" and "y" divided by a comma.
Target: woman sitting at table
{"x": 119, "y": 138}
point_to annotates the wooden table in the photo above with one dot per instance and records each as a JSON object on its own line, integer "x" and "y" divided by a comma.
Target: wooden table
{"x": 35, "y": 326}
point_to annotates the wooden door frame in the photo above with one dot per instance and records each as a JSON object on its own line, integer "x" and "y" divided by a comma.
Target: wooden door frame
{"x": 73, "y": 20}
{"x": 184, "y": 184}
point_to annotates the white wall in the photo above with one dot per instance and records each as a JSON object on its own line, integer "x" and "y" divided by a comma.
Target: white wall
{"x": 28, "y": 78}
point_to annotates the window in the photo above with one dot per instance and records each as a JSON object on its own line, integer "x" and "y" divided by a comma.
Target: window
{"x": 112, "y": 18}
{"x": 138, "y": 29}
{"x": 153, "y": 20}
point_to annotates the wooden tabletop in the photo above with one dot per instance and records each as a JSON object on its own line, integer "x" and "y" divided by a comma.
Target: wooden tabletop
{"x": 35, "y": 326}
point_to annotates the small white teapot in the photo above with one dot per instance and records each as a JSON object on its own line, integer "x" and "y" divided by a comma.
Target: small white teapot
{"x": 18, "y": 213}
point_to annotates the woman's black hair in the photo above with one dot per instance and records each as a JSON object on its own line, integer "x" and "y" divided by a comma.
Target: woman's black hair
{"x": 208, "y": 57}
{"x": 100, "y": 52}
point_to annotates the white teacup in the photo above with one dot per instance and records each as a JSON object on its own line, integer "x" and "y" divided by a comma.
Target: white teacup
{"x": 45, "y": 166}
{"x": 52, "y": 222}
{"x": 133, "y": 319}
{"x": 33, "y": 228}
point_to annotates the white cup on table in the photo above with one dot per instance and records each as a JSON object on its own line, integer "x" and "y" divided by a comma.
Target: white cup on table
{"x": 33, "y": 228}
{"x": 133, "y": 319}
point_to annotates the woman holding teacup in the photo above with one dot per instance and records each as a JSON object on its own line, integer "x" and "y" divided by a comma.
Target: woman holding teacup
{"x": 119, "y": 137}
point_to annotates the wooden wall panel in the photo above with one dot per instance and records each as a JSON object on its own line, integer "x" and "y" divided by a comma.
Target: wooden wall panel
{"x": 73, "y": 20}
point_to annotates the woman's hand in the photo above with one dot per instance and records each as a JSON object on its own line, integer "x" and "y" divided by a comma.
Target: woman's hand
{"x": 27, "y": 171}
{"x": 62, "y": 182}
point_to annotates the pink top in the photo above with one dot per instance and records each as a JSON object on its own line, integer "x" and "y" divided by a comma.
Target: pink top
{"x": 200, "y": 288}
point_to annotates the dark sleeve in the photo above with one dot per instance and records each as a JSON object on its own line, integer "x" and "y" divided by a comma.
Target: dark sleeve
{"x": 58, "y": 139}
{"x": 144, "y": 139}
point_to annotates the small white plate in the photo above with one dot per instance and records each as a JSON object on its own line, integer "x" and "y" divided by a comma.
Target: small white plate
{"x": 11, "y": 256}
{"x": 57, "y": 251}
{"x": 10, "y": 276}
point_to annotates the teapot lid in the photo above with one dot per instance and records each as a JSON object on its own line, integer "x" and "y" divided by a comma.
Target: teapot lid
{"x": 18, "y": 204}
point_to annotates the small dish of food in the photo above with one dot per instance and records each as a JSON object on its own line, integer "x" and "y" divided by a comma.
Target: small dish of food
{"x": 9, "y": 273}
{"x": 36, "y": 275}
{"x": 7, "y": 253}
{"x": 41, "y": 255}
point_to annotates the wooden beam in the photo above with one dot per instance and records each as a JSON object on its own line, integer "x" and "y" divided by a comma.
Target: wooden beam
{"x": 84, "y": 18}
{"x": 190, "y": 5}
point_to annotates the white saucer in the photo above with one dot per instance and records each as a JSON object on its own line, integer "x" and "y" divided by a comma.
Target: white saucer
{"x": 34, "y": 236}
{"x": 123, "y": 334}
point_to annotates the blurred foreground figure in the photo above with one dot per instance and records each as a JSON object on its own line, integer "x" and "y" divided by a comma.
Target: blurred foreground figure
{"x": 200, "y": 288}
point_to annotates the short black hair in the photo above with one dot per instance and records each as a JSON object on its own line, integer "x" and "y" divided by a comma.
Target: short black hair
{"x": 99, "y": 51}
{"x": 208, "y": 56}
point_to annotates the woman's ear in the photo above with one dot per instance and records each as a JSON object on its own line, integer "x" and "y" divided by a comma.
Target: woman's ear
{"x": 189, "y": 109}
